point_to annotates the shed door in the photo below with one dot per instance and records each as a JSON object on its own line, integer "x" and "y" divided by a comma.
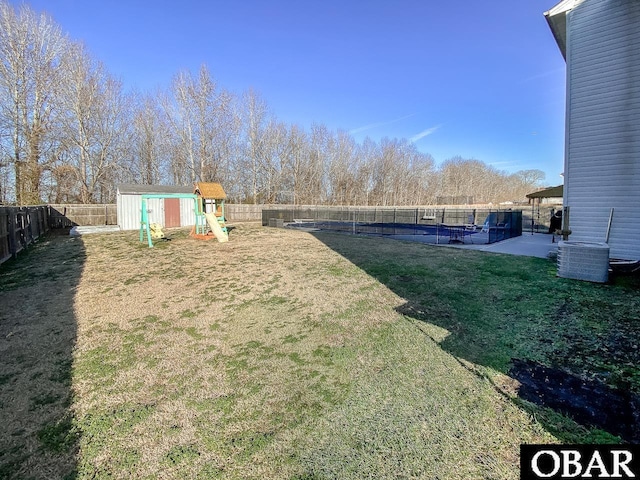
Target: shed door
{"x": 171, "y": 212}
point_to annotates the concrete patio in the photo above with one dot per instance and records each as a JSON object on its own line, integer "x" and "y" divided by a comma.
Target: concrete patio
{"x": 528, "y": 244}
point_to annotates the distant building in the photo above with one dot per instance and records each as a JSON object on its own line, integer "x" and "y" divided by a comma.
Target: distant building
{"x": 600, "y": 41}
{"x": 548, "y": 196}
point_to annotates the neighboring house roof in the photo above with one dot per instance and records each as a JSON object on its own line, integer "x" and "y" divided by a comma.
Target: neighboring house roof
{"x": 548, "y": 192}
{"x": 557, "y": 20}
{"x": 210, "y": 190}
{"x": 131, "y": 189}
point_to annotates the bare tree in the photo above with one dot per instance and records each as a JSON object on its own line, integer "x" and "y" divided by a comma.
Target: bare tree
{"x": 32, "y": 50}
{"x": 390, "y": 169}
{"x": 421, "y": 176}
{"x": 316, "y": 179}
{"x": 273, "y": 163}
{"x": 6, "y": 178}
{"x": 179, "y": 112}
{"x": 225, "y": 141}
{"x": 255, "y": 161}
{"x": 366, "y": 174}
{"x": 294, "y": 160}
{"x": 342, "y": 169}
{"x": 150, "y": 142}
{"x": 525, "y": 181}
{"x": 95, "y": 126}
{"x": 204, "y": 123}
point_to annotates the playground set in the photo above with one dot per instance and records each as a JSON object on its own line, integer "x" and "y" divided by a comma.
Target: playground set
{"x": 208, "y": 206}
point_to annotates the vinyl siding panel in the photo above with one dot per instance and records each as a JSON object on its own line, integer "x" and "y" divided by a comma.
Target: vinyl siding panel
{"x": 604, "y": 100}
{"x": 602, "y": 169}
{"x": 598, "y": 119}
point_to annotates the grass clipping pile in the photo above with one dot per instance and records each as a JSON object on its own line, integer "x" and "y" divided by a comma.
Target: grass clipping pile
{"x": 276, "y": 355}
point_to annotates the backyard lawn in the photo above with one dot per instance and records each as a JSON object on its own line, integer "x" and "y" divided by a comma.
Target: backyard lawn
{"x": 289, "y": 355}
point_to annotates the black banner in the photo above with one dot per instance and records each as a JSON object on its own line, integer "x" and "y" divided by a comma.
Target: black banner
{"x": 579, "y": 461}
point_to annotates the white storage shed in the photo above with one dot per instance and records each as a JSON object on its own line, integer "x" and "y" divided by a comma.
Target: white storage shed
{"x": 168, "y": 212}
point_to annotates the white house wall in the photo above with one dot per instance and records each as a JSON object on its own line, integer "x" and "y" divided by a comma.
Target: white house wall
{"x": 602, "y": 163}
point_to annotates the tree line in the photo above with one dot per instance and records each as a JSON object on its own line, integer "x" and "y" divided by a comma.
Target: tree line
{"x": 69, "y": 132}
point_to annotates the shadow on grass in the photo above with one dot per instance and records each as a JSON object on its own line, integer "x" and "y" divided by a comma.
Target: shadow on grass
{"x": 37, "y": 335}
{"x": 573, "y": 348}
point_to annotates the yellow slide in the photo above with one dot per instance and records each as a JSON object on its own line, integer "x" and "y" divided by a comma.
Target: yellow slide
{"x": 212, "y": 220}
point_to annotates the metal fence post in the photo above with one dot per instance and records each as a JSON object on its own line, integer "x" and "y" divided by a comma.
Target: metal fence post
{"x": 11, "y": 218}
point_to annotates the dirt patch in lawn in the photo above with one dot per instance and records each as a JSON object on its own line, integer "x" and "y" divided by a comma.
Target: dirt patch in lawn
{"x": 587, "y": 401}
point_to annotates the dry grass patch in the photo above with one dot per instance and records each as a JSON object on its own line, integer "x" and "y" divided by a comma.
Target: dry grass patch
{"x": 203, "y": 354}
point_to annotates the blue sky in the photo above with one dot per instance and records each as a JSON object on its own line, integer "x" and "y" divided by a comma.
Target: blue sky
{"x": 479, "y": 79}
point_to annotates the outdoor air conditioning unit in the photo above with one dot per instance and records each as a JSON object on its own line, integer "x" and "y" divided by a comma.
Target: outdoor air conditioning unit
{"x": 583, "y": 261}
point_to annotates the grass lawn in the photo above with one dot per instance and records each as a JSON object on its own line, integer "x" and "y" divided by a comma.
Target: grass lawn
{"x": 288, "y": 355}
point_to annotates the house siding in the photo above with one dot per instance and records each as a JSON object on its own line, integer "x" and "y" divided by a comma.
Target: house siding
{"x": 602, "y": 163}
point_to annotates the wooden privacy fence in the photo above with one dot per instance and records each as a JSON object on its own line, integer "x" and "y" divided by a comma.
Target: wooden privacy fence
{"x": 236, "y": 212}
{"x": 19, "y": 227}
{"x": 64, "y": 216}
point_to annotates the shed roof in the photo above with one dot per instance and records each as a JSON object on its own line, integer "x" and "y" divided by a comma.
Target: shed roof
{"x": 557, "y": 20}
{"x": 210, "y": 190}
{"x": 548, "y": 192}
{"x": 133, "y": 189}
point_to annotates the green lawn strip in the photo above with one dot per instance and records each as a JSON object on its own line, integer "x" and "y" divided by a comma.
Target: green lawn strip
{"x": 413, "y": 411}
{"x": 496, "y": 308}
